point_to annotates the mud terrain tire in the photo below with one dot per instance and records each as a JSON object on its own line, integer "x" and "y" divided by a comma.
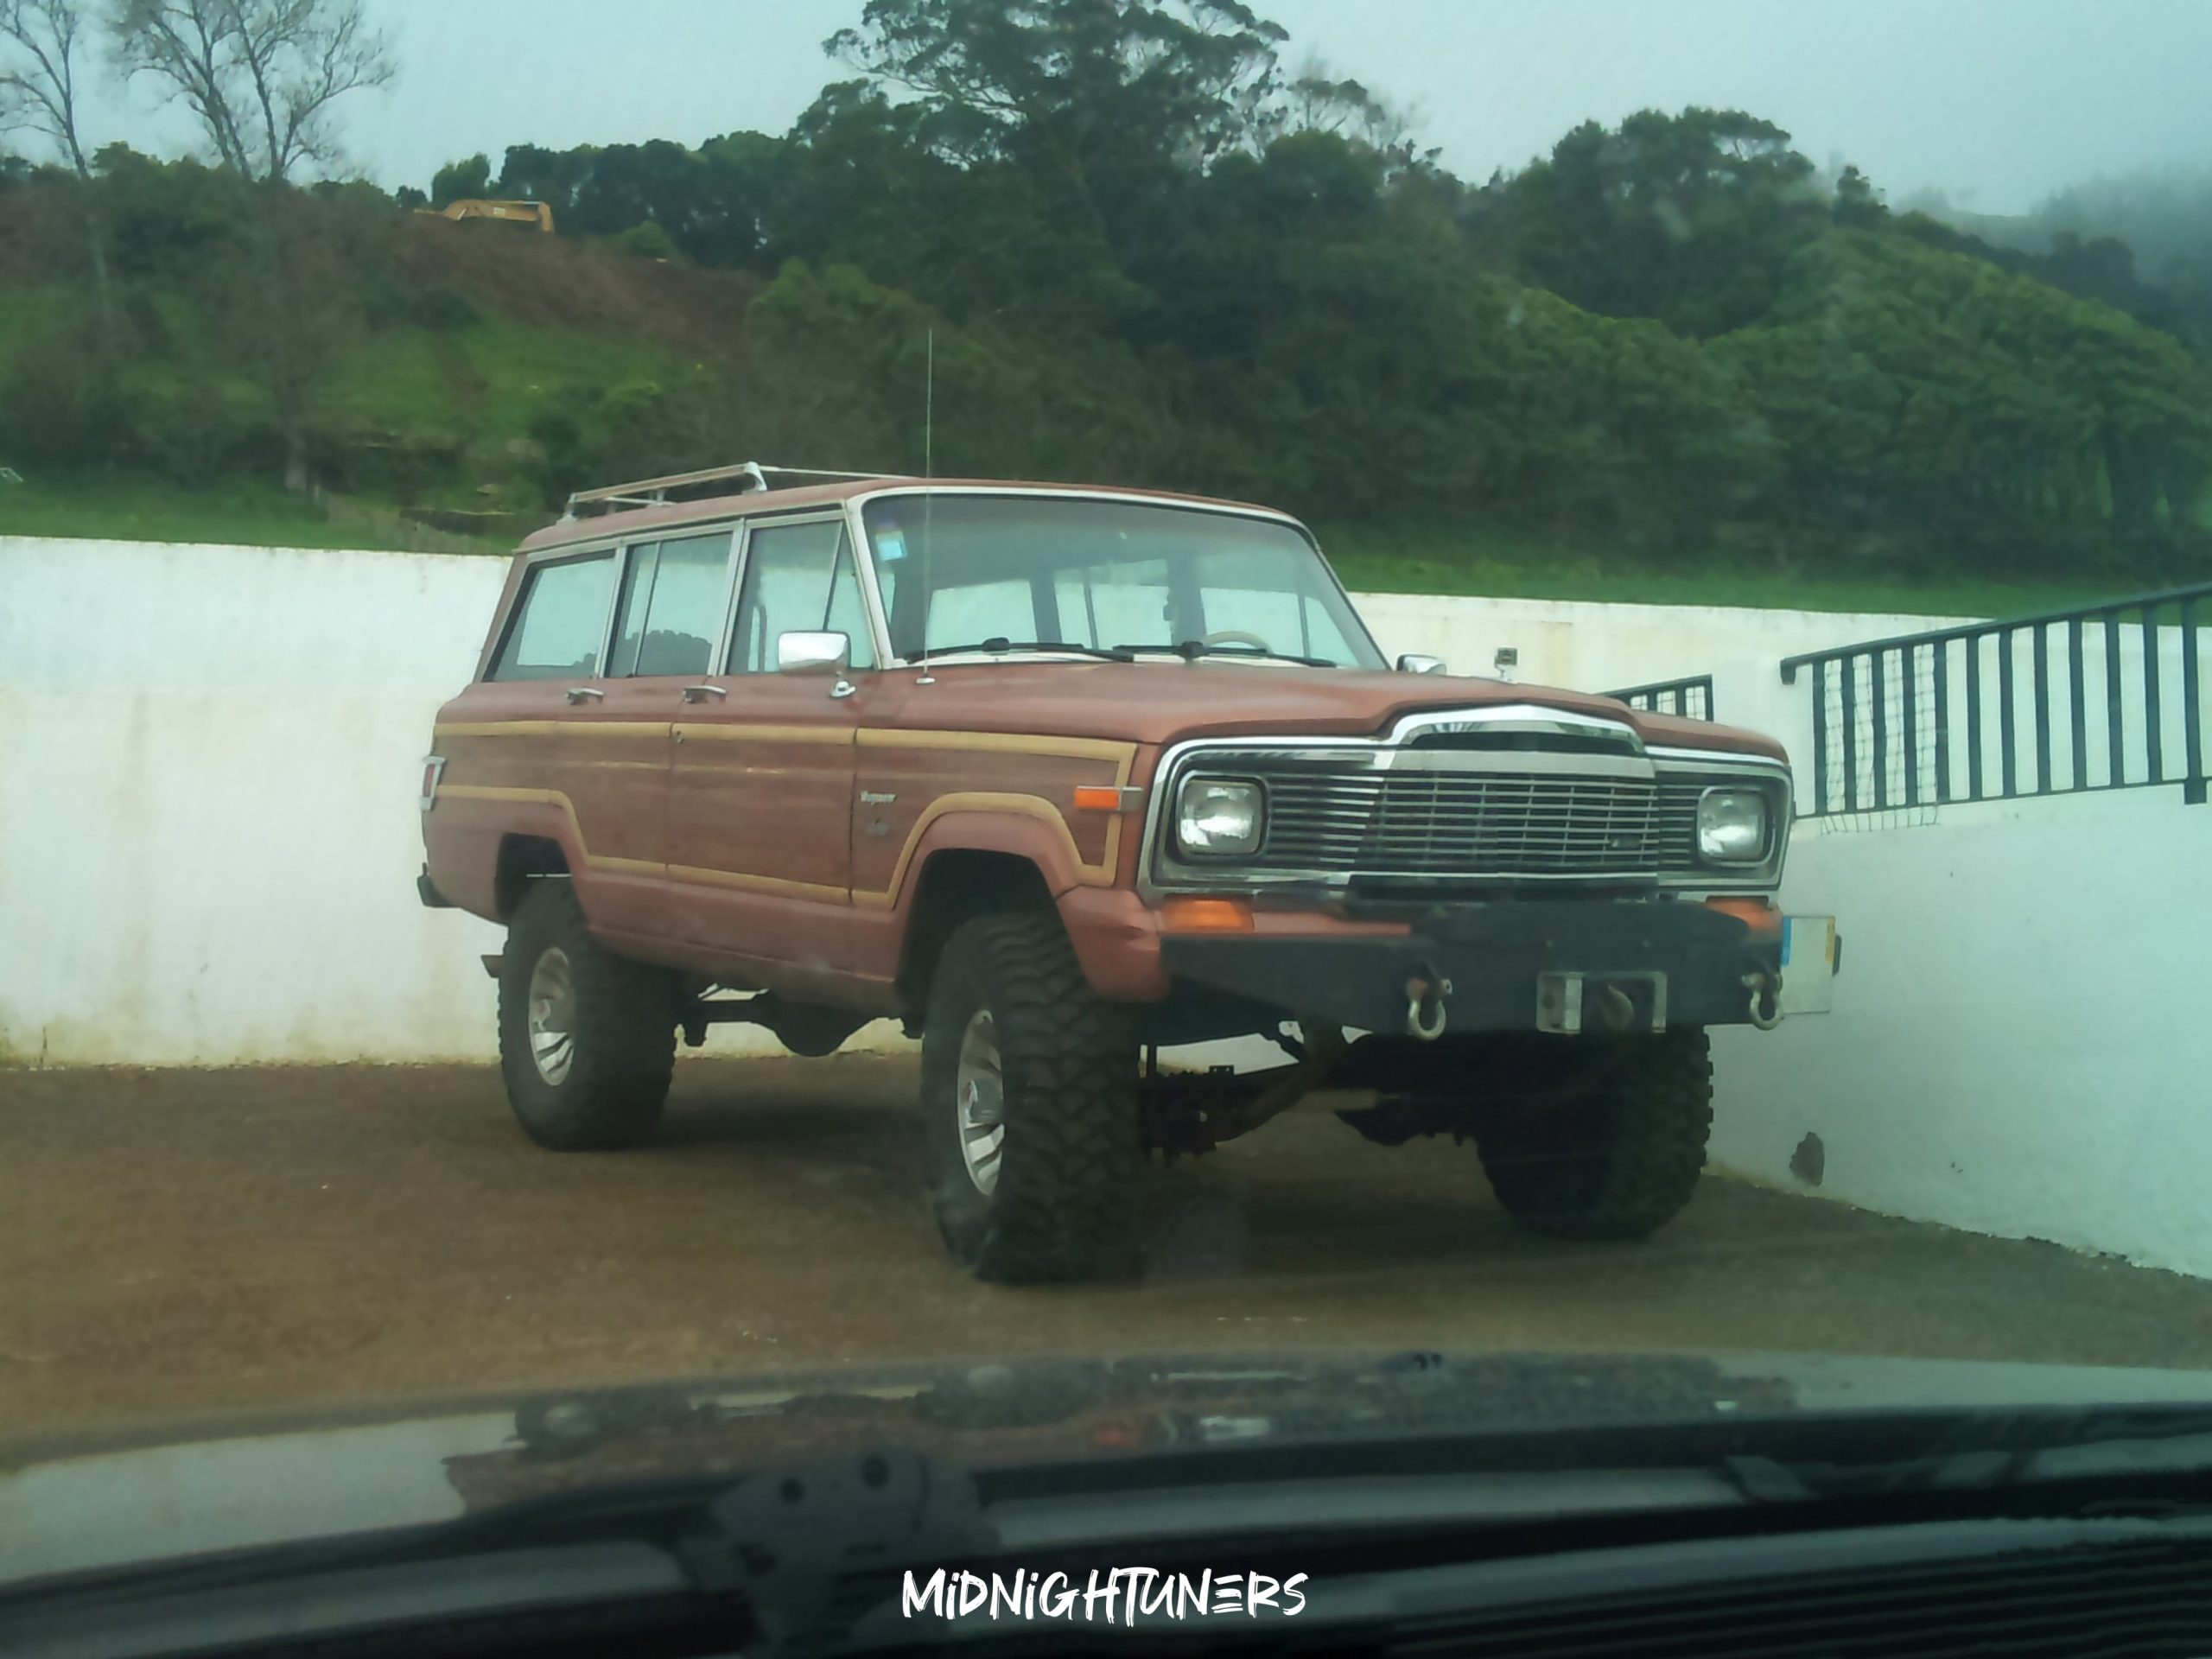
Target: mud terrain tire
{"x": 606, "y": 1089}
{"x": 1617, "y": 1163}
{"x": 1057, "y": 1200}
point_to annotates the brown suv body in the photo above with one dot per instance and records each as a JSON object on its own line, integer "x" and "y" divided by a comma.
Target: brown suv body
{"x": 821, "y": 834}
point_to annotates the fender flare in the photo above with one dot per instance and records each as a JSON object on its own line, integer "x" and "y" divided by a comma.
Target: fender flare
{"x": 1025, "y": 826}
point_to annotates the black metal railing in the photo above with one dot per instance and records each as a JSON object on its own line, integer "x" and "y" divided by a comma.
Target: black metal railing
{"x": 1994, "y": 710}
{"x": 1690, "y": 698}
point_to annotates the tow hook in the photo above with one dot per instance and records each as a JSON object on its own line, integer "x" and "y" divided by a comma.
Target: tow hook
{"x": 1766, "y": 1000}
{"x": 1424, "y": 994}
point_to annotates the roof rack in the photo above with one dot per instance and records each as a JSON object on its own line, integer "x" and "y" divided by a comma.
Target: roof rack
{"x": 656, "y": 491}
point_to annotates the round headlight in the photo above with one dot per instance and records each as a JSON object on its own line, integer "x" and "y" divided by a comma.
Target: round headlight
{"x": 1218, "y": 816}
{"x": 1731, "y": 826}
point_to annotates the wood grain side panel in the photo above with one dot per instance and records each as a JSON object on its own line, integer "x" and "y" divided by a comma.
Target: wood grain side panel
{"x": 904, "y": 787}
{"x": 611, "y": 775}
{"x": 762, "y": 807}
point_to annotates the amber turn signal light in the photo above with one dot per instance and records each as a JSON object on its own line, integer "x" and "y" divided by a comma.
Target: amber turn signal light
{"x": 1755, "y": 913}
{"x": 1099, "y": 797}
{"x": 1206, "y": 916}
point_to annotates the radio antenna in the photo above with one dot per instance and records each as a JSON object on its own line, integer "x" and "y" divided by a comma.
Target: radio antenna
{"x": 929, "y": 497}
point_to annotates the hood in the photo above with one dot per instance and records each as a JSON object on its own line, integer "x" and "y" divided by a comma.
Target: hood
{"x": 102, "y": 1501}
{"x": 1153, "y": 700}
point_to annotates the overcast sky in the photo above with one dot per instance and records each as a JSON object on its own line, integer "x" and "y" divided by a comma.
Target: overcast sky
{"x": 1994, "y": 102}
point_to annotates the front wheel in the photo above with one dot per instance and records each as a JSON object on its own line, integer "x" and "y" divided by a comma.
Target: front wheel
{"x": 1029, "y": 1105}
{"x": 587, "y": 1038}
{"x": 1618, "y": 1162}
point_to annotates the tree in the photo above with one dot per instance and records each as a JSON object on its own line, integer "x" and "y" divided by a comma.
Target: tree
{"x": 647, "y": 240}
{"x": 1691, "y": 219}
{"x": 1859, "y": 206}
{"x": 1102, "y": 103}
{"x": 466, "y": 180}
{"x": 260, "y": 76}
{"x": 38, "y": 90}
{"x": 1062, "y": 70}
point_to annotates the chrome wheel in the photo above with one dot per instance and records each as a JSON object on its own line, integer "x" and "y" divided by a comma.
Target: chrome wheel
{"x": 979, "y": 1096}
{"x": 552, "y": 1016}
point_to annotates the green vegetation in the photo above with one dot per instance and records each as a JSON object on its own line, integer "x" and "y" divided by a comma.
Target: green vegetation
{"x": 251, "y": 512}
{"x": 1443, "y": 561}
{"x": 1670, "y": 361}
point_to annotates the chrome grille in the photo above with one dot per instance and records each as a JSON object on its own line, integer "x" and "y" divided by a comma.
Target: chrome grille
{"x": 1444, "y": 823}
{"x": 1677, "y": 823}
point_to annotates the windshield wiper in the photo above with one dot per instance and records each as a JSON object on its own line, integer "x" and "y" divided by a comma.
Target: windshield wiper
{"x": 1191, "y": 650}
{"x": 998, "y": 642}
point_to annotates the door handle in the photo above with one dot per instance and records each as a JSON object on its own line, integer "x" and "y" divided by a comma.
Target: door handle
{"x": 578, "y": 693}
{"x": 843, "y": 689}
{"x": 700, "y": 693}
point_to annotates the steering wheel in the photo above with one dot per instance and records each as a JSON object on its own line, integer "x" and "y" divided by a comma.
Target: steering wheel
{"x": 1235, "y": 637}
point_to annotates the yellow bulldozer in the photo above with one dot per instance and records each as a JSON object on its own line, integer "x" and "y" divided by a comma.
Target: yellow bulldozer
{"x": 525, "y": 212}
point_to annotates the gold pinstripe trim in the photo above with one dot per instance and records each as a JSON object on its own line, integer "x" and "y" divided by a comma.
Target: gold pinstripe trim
{"x": 867, "y": 737}
{"x": 549, "y": 727}
{"x": 1124, "y": 755}
{"x": 1034, "y": 806}
{"x": 1070, "y": 748}
{"x": 729, "y": 732}
{"x": 698, "y": 875}
{"x": 548, "y": 798}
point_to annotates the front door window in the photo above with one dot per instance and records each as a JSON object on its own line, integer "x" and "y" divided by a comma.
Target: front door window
{"x": 798, "y": 579}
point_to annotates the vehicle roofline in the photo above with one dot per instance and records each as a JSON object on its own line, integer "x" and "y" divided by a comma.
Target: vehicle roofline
{"x": 725, "y": 508}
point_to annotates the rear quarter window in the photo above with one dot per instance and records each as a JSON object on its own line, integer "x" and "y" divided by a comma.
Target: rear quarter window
{"x": 560, "y": 626}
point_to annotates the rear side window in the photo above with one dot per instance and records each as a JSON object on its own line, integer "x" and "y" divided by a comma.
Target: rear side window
{"x": 560, "y": 623}
{"x": 673, "y": 606}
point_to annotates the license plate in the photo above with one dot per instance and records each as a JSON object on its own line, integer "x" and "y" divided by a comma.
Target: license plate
{"x": 1808, "y": 965}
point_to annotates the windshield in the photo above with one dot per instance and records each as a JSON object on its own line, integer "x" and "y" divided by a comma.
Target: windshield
{"x": 961, "y": 569}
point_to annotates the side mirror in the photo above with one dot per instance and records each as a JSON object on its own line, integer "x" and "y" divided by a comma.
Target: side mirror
{"x": 813, "y": 653}
{"x": 1412, "y": 664}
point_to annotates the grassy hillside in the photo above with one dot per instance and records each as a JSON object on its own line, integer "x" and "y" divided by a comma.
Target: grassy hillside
{"x": 1447, "y": 561}
{"x": 488, "y": 369}
{"x": 1434, "y": 560}
{"x": 128, "y": 509}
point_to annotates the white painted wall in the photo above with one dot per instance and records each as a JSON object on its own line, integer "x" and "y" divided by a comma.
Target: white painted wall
{"x": 2020, "y": 1045}
{"x": 207, "y": 848}
{"x": 207, "y": 838}
{"x": 207, "y": 842}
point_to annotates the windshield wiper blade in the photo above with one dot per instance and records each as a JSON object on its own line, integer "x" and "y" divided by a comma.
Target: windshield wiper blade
{"x": 1191, "y": 650}
{"x": 998, "y": 642}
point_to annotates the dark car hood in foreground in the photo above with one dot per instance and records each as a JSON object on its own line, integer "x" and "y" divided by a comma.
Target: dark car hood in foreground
{"x": 95, "y": 1501}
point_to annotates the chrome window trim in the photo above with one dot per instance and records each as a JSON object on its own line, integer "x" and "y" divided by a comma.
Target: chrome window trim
{"x": 1389, "y": 752}
{"x": 837, "y": 513}
{"x": 631, "y": 550}
{"x": 878, "y": 616}
{"x": 612, "y": 549}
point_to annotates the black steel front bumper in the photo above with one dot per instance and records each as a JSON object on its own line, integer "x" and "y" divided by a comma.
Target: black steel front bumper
{"x": 1510, "y": 965}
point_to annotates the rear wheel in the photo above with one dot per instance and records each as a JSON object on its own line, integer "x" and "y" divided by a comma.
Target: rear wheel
{"x": 1618, "y": 1162}
{"x": 587, "y": 1038}
{"x": 1029, "y": 1107}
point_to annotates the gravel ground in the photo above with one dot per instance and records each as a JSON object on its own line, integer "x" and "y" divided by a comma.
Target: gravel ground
{"x": 182, "y": 1242}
